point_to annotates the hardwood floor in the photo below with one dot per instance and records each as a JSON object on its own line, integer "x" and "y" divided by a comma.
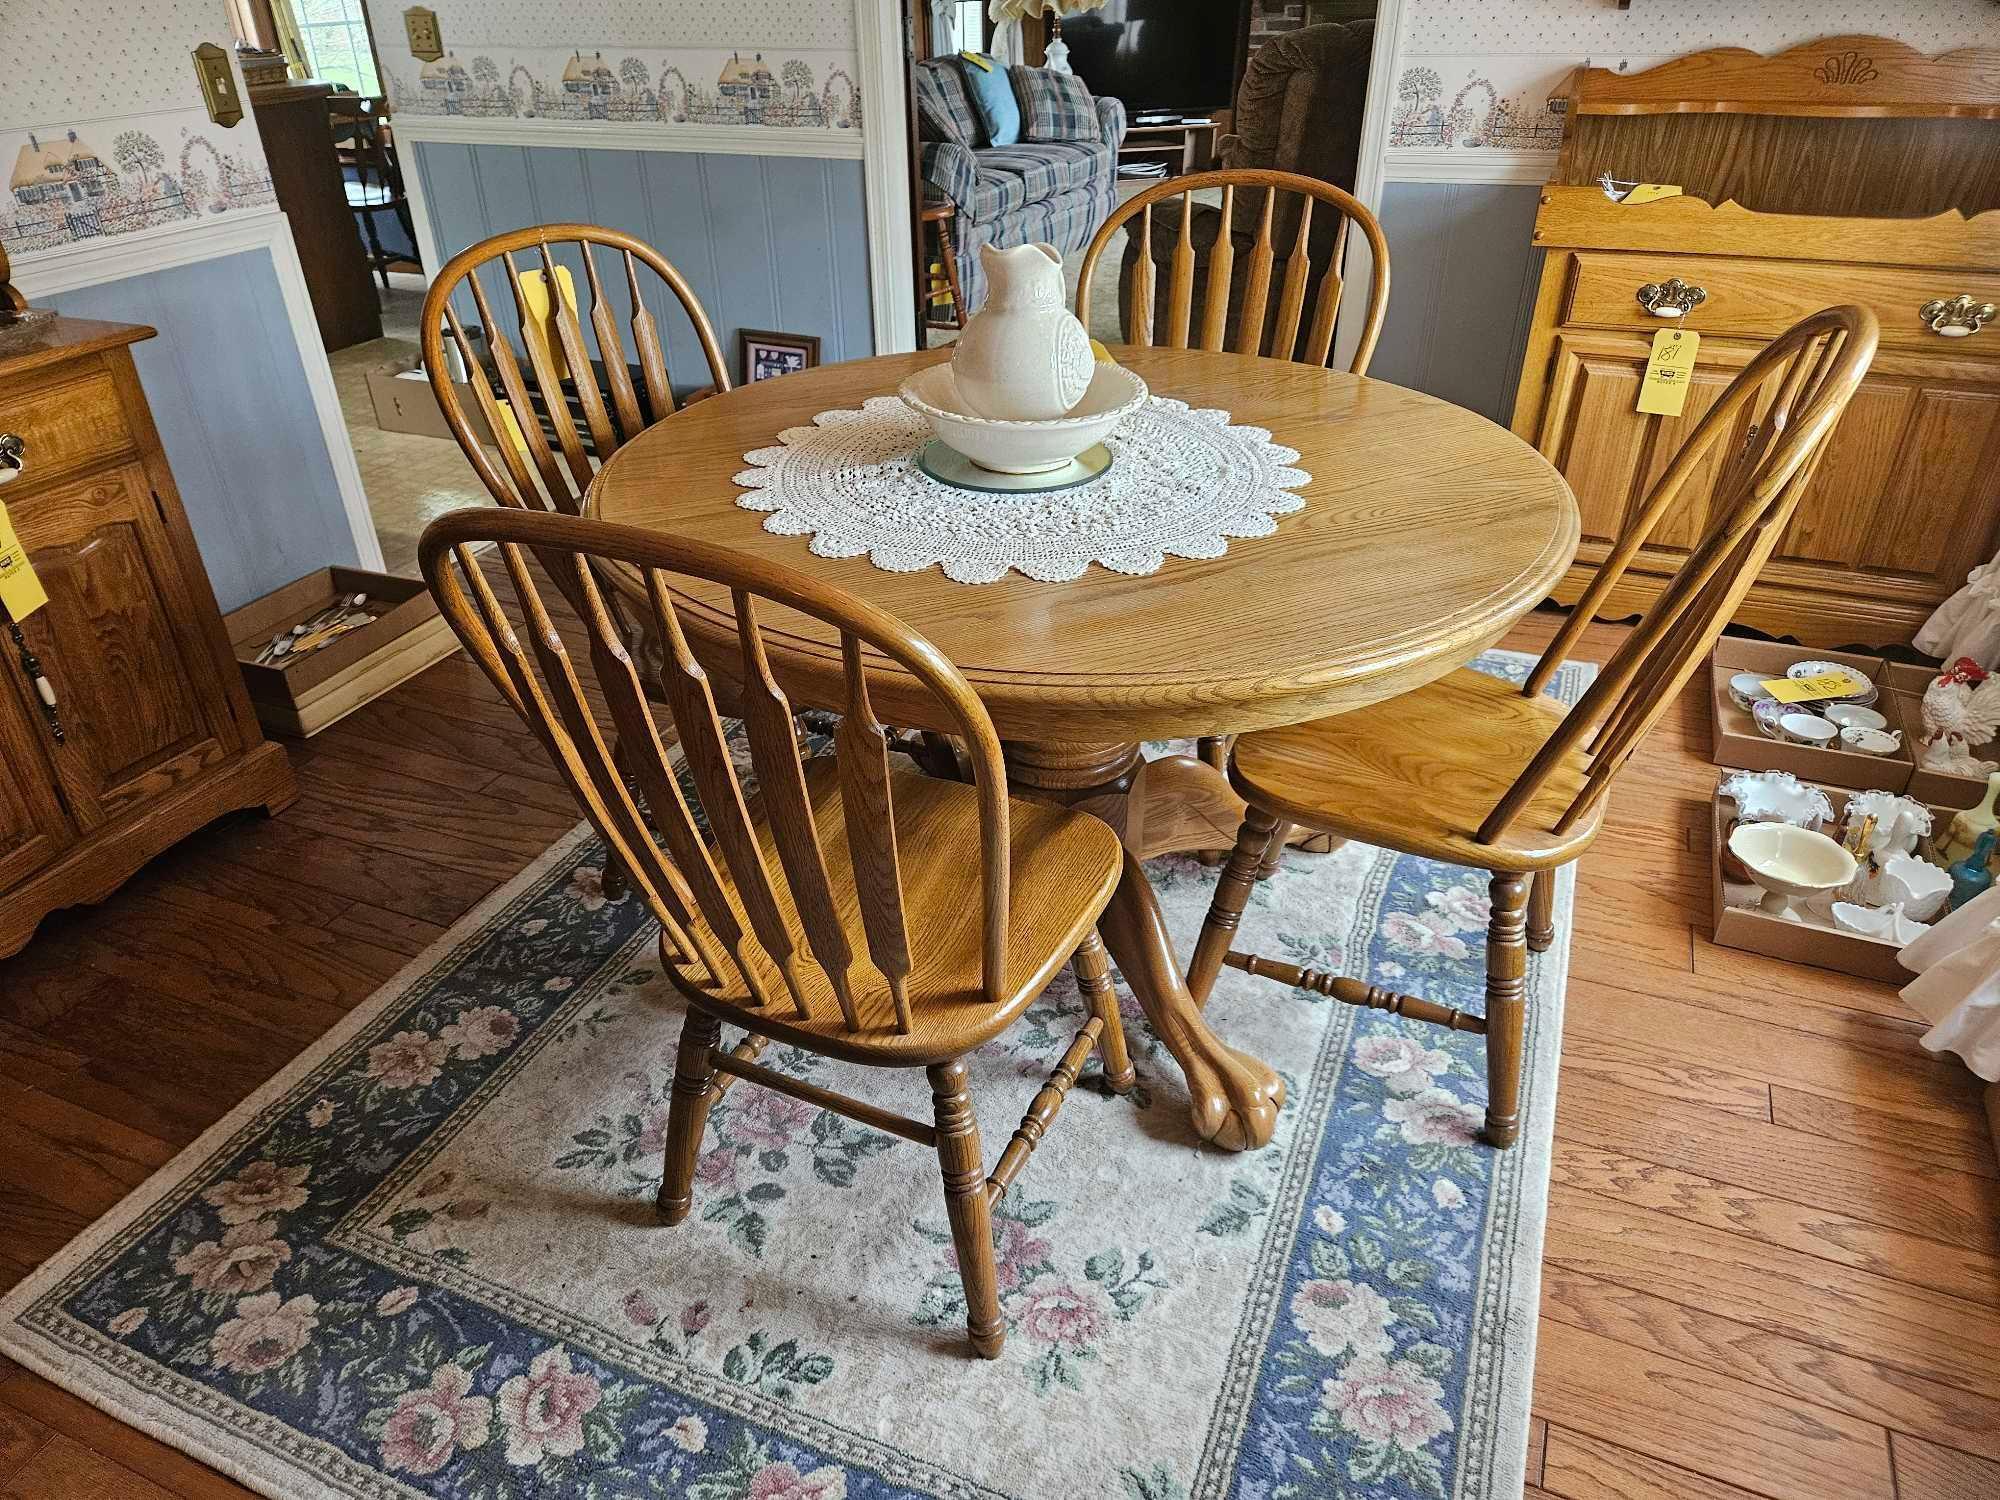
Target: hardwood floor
{"x": 1773, "y": 1257}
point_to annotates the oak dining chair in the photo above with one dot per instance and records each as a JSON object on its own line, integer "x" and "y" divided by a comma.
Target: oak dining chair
{"x": 556, "y": 420}
{"x": 1476, "y": 772}
{"x": 1282, "y": 207}
{"x": 841, "y": 905}
{"x": 362, "y": 146}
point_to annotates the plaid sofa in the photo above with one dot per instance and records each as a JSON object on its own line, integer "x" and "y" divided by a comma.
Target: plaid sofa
{"x": 1054, "y": 190}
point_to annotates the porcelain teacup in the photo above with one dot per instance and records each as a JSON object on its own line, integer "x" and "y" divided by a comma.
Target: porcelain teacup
{"x": 1870, "y": 741}
{"x": 1807, "y": 729}
{"x": 1853, "y": 716}
{"x": 1747, "y": 688}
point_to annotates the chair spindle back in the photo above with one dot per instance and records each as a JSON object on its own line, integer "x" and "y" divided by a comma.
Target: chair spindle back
{"x": 717, "y": 897}
{"x": 1254, "y": 311}
{"x": 1784, "y": 404}
{"x": 614, "y": 407}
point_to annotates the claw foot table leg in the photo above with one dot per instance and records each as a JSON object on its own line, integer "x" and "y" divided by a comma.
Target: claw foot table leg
{"x": 1234, "y": 1098}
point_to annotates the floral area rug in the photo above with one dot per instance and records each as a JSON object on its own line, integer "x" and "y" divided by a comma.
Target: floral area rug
{"x": 423, "y": 1261}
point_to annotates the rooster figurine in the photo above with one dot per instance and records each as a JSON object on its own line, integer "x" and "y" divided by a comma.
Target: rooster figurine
{"x": 1960, "y": 710}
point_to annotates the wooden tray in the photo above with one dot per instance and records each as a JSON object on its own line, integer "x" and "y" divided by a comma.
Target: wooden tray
{"x": 356, "y": 669}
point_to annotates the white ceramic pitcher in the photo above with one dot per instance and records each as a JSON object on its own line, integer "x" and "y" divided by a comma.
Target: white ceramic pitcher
{"x": 1023, "y": 357}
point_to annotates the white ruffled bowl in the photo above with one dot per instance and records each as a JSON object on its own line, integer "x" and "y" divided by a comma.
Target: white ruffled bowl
{"x": 1024, "y": 447}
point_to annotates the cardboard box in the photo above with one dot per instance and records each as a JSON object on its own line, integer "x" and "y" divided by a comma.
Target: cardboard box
{"x": 1756, "y": 931}
{"x": 1738, "y": 742}
{"x": 1904, "y": 689}
{"x": 404, "y": 402}
{"x": 353, "y": 670}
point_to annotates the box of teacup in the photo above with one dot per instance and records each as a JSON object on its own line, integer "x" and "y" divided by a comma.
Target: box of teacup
{"x": 1851, "y": 741}
{"x": 1807, "y": 935}
{"x": 1976, "y": 715}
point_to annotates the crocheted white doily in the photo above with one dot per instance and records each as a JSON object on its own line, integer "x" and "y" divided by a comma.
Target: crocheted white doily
{"x": 1181, "y": 484}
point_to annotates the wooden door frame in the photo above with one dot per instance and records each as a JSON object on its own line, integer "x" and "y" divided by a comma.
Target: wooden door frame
{"x": 1370, "y": 168}
{"x": 886, "y": 165}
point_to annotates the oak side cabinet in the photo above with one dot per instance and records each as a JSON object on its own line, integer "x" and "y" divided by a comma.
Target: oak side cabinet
{"x": 150, "y": 734}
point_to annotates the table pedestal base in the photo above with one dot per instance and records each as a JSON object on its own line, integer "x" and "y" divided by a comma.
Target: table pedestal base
{"x": 1164, "y": 806}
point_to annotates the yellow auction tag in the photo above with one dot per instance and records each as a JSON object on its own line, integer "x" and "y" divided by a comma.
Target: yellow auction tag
{"x": 1669, "y": 371}
{"x": 21, "y": 592}
{"x": 1807, "y": 689}
{"x": 540, "y": 323}
{"x": 1651, "y": 192}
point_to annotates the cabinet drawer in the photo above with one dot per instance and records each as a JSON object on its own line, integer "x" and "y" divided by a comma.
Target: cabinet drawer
{"x": 1762, "y": 298}
{"x": 68, "y": 425}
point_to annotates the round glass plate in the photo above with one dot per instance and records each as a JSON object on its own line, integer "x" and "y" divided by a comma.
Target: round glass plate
{"x": 947, "y": 465}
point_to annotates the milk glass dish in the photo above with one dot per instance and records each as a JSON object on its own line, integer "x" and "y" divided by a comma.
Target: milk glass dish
{"x": 1790, "y": 862}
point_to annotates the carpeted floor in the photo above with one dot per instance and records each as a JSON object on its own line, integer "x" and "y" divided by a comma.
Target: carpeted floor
{"x": 423, "y": 1260}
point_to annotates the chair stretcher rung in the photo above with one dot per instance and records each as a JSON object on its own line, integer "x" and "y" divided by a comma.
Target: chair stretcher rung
{"x": 747, "y": 1050}
{"x": 1354, "y": 992}
{"x": 840, "y": 1104}
{"x": 1042, "y": 1111}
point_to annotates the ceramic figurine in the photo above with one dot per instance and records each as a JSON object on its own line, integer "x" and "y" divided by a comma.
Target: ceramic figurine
{"x": 1968, "y": 825}
{"x": 1023, "y": 357}
{"x": 1960, "y": 710}
{"x": 1970, "y": 876}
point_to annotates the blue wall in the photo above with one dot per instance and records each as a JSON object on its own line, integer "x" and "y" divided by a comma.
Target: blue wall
{"x": 228, "y": 391}
{"x": 1462, "y": 293}
{"x": 768, "y": 242}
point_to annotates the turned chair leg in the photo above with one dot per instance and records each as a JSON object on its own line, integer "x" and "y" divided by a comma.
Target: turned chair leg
{"x": 1232, "y": 893}
{"x": 1093, "y": 977}
{"x": 687, "y": 1113}
{"x": 1542, "y": 912}
{"x": 1280, "y": 836}
{"x": 966, "y": 1204}
{"x": 1506, "y": 1008}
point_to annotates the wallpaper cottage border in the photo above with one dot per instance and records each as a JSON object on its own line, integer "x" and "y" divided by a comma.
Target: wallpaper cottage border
{"x": 799, "y": 91}
{"x": 98, "y": 179}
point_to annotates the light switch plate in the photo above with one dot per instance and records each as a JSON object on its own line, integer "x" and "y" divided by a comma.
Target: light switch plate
{"x": 218, "y": 84}
{"x": 426, "y": 39}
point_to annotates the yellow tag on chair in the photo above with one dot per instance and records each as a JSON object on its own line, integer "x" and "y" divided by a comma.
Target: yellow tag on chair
{"x": 1669, "y": 372}
{"x": 1650, "y": 192}
{"x": 979, "y": 60}
{"x": 21, "y": 592}
{"x": 541, "y": 319}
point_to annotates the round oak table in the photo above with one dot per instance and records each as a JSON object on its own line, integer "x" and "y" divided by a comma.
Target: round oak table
{"x": 1427, "y": 531}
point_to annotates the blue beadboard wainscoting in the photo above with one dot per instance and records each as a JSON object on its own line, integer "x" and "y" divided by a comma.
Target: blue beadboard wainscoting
{"x": 767, "y": 242}
{"x": 229, "y": 391}
{"x": 1463, "y": 294}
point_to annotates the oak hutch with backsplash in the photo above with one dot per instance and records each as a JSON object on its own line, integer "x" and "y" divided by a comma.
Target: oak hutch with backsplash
{"x": 124, "y": 723}
{"x": 1851, "y": 169}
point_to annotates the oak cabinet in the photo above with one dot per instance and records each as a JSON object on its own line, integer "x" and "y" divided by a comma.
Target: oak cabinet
{"x": 1906, "y": 500}
{"x": 151, "y": 733}
{"x": 1896, "y": 208}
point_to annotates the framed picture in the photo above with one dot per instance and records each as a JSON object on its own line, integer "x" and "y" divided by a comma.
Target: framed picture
{"x": 768, "y": 355}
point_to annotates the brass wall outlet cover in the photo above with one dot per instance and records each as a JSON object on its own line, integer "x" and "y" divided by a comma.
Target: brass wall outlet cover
{"x": 218, "y": 85}
{"x": 426, "y": 39}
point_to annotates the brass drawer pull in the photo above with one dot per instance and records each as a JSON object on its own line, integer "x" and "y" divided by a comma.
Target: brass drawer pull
{"x": 1672, "y": 298}
{"x": 1956, "y": 319}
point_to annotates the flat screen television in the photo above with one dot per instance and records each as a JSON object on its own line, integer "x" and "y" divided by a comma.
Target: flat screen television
{"x": 1159, "y": 56}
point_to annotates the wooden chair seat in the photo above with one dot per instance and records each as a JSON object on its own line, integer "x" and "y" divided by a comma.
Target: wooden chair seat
{"x": 1494, "y": 777}
{"x": 1421, "y": 772}
{"x": 1063, "y": 867}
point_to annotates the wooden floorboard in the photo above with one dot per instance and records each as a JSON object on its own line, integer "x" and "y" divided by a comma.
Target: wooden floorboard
{"x": 1773, "y": 1251}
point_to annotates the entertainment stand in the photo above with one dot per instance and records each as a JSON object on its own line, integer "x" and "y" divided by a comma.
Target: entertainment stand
{"x": 1187, "y": 147}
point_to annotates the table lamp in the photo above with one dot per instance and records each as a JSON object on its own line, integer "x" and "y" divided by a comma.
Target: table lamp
{"x": 1056, "y": 53}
